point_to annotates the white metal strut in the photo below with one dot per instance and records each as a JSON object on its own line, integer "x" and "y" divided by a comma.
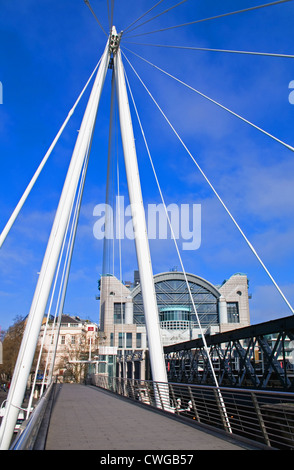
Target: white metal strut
{"x": 37, "y": 311}
{"x": 40, "y": 299}
{"x": 139, "y": 224}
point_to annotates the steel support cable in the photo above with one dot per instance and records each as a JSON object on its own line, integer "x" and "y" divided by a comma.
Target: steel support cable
{"x": 113, "y": 118}
{"x": 142, "y": 16}
{"x": 116, "y": 174}
{"x": 110, "y": 10}
{"x": 215, "y": 102}
{"x": 53, "y": 293}
{"x": 108, "y": 253}
{"x": 111, "y": 200}
{"x": 63, "y": 282}
{"x": 217, "y": 195}
{"x": 112, "y": 13}
{"x": 41, "y": 166}
{"x": 120, "y": 271}
{"x": 66, "y": 266}
{"x": 159, "y": 14}
{"x": 43, "y": 287}
{"x": 119, "y": 220}
{"x": 180, "y": 259}
{"x": 157, "y": 362}
{"x": 108, "y": 228}
{"x": 50, "y": 304}
{"x": 65, "y": 275}
{"x": 93, "y": 13}
{"x": 45, "y": 330}
{"x": 215, "y": 17}
{"x": 74, "y": 221}
{"x": 46, "y": 325}
{"x": 269, "y": 54}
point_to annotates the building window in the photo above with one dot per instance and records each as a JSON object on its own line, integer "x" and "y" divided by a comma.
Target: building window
{"x": 139, "y": 340}
{"x": 129, "y": 341}
{"x": 63, "y": 339}
{"x": 111, "y": 339}
{"x": 118, "y": 313}
{"x": 73, "y": 339}
{"x": 233, "y": 312}
{"x": 121, "y": 337}
{"x": 102, "y": 368}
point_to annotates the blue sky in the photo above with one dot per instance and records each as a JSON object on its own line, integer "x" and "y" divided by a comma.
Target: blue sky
{"x": 49, "y": 49}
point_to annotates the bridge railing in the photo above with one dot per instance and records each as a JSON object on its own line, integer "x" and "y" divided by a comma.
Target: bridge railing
{"x": 31, "y": 429}
{"x": 265, "y": 417}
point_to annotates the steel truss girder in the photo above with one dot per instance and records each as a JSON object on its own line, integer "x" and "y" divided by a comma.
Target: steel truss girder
{"x": 240, "y": 360}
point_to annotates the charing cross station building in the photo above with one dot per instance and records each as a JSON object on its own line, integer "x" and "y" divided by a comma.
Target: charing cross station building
{"x": 123, "y": 349}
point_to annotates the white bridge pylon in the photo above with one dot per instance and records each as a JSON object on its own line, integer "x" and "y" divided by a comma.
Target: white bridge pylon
{"x": 58, "y": 233}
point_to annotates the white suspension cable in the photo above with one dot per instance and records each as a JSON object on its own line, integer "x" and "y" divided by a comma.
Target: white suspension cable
{"x": 157, "y": 362}
{"x": 108, "y": 218}
{"x": 92, "y": 11}
{"x": 45, "y": 330}
{"x": 142, "y": 16}
{"x": 43, "y": 287}
{"x": 267, "y": 54}
{"x": 41, "y": 166}
{"x": 181, "y": 262}
{"x": 70, "y": 241}
{"x": 63, "y": 286}
{"x": 123, "y": 333}
{"x": 108, "y": 12}
{"x": 67, "y": 264}
{"x": 216, "y": 193}
{"x": 216, "y": 102}
{"x": 110, "y": 9}
{"x": 214, "y": 17}
{"x": 159, "y": 14}
{"x": 119, "y": 220}
{"x": 111, "y": 15}
{"x": 66, "y": 268}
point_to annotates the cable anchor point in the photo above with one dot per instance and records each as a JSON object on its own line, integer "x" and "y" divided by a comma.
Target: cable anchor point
{"x": 114, "y": 40}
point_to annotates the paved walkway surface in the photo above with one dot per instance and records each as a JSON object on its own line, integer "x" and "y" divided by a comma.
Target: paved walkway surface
{"x": 88, "y": 418}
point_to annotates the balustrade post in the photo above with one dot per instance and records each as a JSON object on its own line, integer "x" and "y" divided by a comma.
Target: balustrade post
{"x": 194, "y": 405}
{"x": 260, "y": 419}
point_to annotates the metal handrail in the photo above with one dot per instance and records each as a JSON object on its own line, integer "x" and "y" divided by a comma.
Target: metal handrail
{"x": 263, "y": 416}
{"x": 28, "y": 432}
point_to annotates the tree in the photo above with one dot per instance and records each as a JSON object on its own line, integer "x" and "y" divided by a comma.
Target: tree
{"x": 72, "y": 356}
{"x": 11, "y": 344}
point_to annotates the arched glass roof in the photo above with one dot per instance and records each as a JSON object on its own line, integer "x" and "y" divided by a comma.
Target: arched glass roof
{"x": 172, "y": 291}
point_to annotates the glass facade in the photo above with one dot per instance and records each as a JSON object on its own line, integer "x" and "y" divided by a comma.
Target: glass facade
{"x": 173, "y": 300}
{"x": 175, "y": 318}
{"x": 174, "y": 313}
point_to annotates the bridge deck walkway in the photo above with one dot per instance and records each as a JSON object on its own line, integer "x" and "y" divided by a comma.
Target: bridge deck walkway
{"x": 88, "y": 418}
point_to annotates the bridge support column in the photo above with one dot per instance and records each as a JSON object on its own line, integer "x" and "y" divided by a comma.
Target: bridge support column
{"x": 140, "y": 230}
{"x": 40, "y": 300}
